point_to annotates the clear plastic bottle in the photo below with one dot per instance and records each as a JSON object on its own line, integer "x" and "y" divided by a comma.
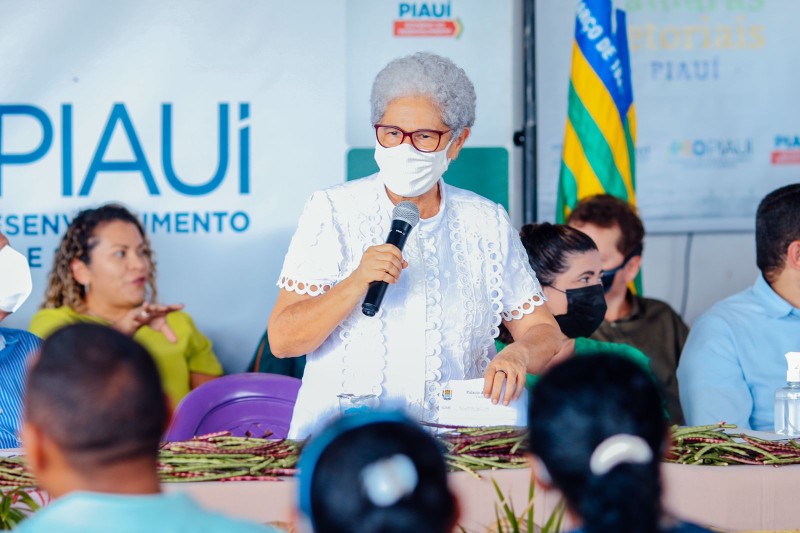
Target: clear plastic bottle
{"x": 787, "y": 399}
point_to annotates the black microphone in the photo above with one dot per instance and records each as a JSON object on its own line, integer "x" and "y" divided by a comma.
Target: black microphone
{"x": 404, "y": 217}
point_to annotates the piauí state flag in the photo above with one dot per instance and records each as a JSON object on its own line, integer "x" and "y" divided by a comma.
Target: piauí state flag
{"x": 599, "y": 141}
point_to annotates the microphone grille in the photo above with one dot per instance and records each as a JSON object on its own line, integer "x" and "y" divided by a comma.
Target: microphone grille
{"x": 407, "y": 212}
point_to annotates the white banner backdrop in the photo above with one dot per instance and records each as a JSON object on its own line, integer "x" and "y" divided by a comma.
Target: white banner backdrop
{"x": 485, "y": 40}
{"x": 203, "y": 117}
{"x": 214, "y": 121}
{"x": 715, "y": 88}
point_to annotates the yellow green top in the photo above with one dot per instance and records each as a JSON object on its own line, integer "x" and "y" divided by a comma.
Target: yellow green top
{"x": 175, "y": 362}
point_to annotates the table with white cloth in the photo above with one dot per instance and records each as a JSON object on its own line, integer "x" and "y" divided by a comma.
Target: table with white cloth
{"x": 735, "y": 498}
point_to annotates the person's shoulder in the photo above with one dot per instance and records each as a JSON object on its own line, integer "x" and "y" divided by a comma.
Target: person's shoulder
{"x": 348, "y": 197}
{"x": 587, "y": 345}
{"x": 180, "y": 316}
{"x": 459, "y": 196}
{"x": 52, "y": 517}
{"x": 199, "y": 519}
{"x": 736, "y": 307}
{"x": 739, "y": 300}
{"x": 58, "y": 312}
{"x": 26, "y": 337}
{"x": 63, "y": 313}
{"x": 654, "y": 306}
{"x": 181, "y": 320}
{"x": 46, "y": 321}
{"x": 662, "y": 313}
{"x": 472, "y": 208}
{"x": 358, "y": 187}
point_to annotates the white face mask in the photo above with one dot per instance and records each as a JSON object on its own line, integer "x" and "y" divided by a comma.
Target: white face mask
{"x": 15, "y": 279}
{"x": 408, "y": 172}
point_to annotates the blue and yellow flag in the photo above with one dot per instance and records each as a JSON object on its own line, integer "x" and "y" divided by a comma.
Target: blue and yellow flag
{"x": 599, "y": 141}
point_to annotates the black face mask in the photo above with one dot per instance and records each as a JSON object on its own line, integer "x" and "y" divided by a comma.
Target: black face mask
{"x": 608, "y": 276}
{"x": 586, "y": 308}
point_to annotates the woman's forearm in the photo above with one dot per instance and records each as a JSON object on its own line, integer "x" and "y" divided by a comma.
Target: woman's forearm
{"x": 300, "y": 324}
{"x": 542, "y": 342}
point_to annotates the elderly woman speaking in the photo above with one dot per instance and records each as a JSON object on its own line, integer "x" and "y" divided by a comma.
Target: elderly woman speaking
{"x": 462, "y": 271}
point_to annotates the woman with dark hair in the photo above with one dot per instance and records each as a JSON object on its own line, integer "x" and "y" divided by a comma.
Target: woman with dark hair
{"x": 104, "y": 272}
{"x": 567, "y": 264}
{"x": 597, "y": 434}
{"x": 374, "y": 472}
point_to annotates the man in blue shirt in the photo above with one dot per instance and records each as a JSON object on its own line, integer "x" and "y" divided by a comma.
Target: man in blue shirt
{"x": 733, "y": 360}
{"x": 16, "y": 346}
{"x": 94, "y": 414}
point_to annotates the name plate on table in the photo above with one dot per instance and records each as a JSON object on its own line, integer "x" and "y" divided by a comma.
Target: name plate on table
{"x": 462, "y": 404}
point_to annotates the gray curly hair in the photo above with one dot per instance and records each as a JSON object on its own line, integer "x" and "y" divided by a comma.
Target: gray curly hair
{"x": 431, "y": 75}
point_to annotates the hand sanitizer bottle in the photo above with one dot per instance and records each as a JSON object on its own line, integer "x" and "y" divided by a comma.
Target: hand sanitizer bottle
{"x": 787, "y": 399}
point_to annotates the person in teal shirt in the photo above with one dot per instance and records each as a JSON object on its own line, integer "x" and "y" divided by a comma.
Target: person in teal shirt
{"x": 96, "y": 512}
{"x": 95, "y": 411}
{"x": 567, "y": 264}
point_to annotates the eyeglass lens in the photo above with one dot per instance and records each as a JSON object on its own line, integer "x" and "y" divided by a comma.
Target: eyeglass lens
{"x": 423, "y": 140}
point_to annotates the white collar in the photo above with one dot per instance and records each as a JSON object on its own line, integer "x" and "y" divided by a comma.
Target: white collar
{"x": 389, "y": 206}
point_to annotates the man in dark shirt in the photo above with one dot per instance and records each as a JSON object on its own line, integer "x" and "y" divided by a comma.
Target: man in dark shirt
{"x": 647, "y": 324}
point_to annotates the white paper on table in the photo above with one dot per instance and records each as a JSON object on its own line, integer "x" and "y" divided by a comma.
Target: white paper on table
{"x": 462, "y": 404}
{"x": 11, "y": 452}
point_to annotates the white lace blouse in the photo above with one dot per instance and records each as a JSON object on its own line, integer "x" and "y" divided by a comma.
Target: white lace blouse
{"x": 467, "y": 270}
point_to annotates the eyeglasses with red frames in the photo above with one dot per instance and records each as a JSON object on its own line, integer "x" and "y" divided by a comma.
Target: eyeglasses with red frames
{"x": 423, "y": 140}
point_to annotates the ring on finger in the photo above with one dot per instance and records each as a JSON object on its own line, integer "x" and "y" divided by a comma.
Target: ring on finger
{"x": 144, "y": 314}
{"x": 503, "y": 371}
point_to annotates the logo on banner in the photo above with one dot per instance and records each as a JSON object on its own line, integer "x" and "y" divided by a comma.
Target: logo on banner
{"x": 426, "y": 19}
{"x": 722, "y": 152}
{"x": 697, "y": 41}
{"x": 643, "y": 153}
{"x": 786, "y": 150}
{"x": 156, "y": 176}
{"x": 59, "y": 128}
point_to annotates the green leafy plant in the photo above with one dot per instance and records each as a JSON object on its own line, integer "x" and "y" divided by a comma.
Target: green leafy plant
{"x": 15, "y": 506}
{"x": 508, "y": 521}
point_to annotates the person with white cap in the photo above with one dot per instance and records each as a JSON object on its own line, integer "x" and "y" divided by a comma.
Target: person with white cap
{"x": 597, "y": 435}
{"x": 16, "y": 346}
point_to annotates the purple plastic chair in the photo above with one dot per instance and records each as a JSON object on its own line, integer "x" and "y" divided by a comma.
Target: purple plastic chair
{"x": 249, "y": 404}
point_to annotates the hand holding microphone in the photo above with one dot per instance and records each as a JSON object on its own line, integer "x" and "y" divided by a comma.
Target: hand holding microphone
{"x": 385, "y": 262}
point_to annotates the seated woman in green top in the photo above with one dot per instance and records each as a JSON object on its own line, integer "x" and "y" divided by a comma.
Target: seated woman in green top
{"x": 568, "y": 266}
{"x": 104, "y": 272}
